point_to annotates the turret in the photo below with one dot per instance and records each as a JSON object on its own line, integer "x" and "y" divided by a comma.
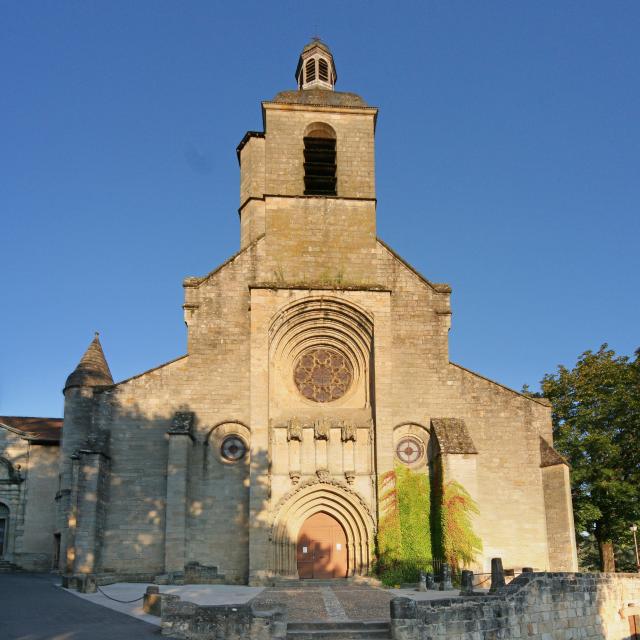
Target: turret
{"x": 92, "y": 371}
{"x": 316, "y": 68}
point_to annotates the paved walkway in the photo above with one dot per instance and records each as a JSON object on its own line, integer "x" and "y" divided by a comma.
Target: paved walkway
{"x": 204, "y": 594}
{"x": 329, "y": 603}
{"x": 340, "y": 602}
{"x": 33, "y": 607}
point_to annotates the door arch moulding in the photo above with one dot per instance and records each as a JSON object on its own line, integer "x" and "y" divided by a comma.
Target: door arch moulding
{"x": 338, "y": 501}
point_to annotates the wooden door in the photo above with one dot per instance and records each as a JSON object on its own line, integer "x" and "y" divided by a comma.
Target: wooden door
{"x": 322, "y": 548}
{"x": 3, "y": 535}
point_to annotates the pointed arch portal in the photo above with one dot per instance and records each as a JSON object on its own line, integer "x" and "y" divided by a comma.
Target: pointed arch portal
{"x": 322, "y": 505}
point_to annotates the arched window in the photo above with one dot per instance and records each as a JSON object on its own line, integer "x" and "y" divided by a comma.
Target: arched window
{"x": 4, "y": 528}
{"x": 323, "y": 70}
{"x": 320, "y": 161}
{"x": 311, "y": 69}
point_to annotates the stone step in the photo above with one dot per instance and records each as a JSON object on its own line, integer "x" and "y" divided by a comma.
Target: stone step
{"x": 352, "y": 630}
{"x": 333, "y": 582}
{"x": 8, "y": 567}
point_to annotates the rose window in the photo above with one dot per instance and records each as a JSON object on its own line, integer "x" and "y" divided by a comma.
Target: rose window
{"x": 409, "y": 450}
{"x": 322, "y": 375}
{"x": 233, "y": 448}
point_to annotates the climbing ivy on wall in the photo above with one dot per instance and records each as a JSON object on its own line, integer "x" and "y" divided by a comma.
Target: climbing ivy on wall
{"x": 420, "y": 520}
{"x": 454, "y": 539}
{"x": 404, "y": 532}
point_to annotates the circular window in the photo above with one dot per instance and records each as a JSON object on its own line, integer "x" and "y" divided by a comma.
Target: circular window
{"x": 409, "y": 450}
{"x": 322, "y": 375}
{"x": 233, "y": 448}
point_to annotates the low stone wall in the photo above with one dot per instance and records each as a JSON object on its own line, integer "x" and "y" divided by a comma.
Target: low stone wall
{"x": 549, "y": 606}
{"x": 189, "y": 621}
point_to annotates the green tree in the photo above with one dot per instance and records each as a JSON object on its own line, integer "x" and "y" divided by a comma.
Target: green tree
{"x": 596, "y": 426}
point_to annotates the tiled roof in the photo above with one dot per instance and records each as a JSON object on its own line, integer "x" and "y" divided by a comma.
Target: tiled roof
{"x": 37, "y": 429}
{"x": 320, "y": 97}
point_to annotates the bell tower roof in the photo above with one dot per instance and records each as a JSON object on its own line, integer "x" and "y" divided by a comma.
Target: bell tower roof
{"x": 316, "y": 68}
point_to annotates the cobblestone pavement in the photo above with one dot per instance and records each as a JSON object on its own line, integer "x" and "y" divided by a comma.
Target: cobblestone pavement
{"x": 334, "y": 603}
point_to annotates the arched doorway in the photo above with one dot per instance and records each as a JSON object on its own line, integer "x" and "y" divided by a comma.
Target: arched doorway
{"x": 340, "y": 502}
{"x": 322, "y": 548}
{"x": 4, "y": 528}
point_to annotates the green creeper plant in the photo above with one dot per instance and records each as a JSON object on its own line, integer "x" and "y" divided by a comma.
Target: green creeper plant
{"x": 421, "y": 520}
{"x": 461, "y": 544}
{"x": 404, "y": 539}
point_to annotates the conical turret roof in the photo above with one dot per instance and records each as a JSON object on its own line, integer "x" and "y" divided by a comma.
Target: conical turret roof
{"x": 92, "y": 370}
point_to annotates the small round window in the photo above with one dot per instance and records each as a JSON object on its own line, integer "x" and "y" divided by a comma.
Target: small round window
{"x": 409, "y": 450}
{"x": 233, "y": 448}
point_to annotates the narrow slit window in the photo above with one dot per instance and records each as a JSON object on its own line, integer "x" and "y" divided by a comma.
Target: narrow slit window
{"x": 319, "y": 166}
{"x": 323, "y": 70}
{"x": 311, "y": 69}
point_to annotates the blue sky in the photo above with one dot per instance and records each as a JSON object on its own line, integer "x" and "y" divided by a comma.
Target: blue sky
{"x": 508, "y": 148}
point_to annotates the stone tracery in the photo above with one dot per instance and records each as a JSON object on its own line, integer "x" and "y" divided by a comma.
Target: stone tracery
{"x": 322, "y": 374}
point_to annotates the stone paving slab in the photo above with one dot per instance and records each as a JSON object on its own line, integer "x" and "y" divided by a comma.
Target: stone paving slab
{"x": 340, "y": 601}
{"x": 333, "y": 603}
{"x": 303, "y": 603}
{"x": 365, "y": 604}
{"x": 203, "y": 594}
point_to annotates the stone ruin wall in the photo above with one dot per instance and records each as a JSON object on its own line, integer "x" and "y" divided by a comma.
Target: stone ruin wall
{"x": 549, "y": 606}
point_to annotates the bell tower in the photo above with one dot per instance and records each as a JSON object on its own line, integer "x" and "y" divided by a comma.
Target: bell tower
{"x": 307, "y": 182}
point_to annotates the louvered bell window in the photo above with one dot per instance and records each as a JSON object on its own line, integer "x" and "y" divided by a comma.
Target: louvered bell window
{"x": 323, "y": 70}
{"x": 310, "y": 69}
{"x": 319, "y": 166}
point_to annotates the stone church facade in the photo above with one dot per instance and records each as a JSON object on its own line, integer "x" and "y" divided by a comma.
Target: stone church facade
{"x": 317, "y": 361}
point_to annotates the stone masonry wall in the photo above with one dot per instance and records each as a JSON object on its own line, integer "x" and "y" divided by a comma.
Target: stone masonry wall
{"x": 549, "y": 606}
{"x": 285, "y": 127}
{"x": 504, "y": 425}
{"x": 212, "y": 383}
{"x": 16, "y": 451}
{"x": 30, "y": 500}
{"x": 36, "y": 548}
{"x": 188, "y": 621}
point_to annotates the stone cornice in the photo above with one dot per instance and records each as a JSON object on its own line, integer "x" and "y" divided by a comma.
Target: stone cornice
{"x": 320, "y": 286}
